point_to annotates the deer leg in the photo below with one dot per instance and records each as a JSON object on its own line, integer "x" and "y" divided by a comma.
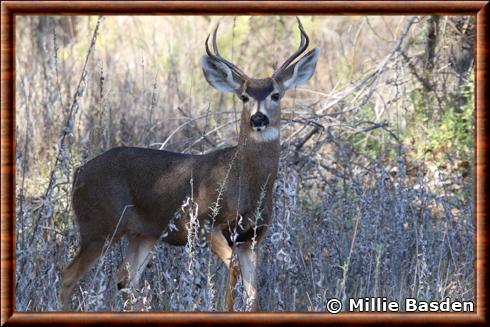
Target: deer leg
{"x": 79, "y": 265}
{"x": 248, "y": 261}
{"x": 135, "y": 261}
{"x": 232, "y": 278}
{"x": 220, "y": 247}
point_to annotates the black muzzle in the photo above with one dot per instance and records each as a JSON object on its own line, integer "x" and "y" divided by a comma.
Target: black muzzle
{"x": 259, "y": 121}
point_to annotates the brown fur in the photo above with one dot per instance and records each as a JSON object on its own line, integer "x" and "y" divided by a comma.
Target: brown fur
{"x": 153, "y": 184}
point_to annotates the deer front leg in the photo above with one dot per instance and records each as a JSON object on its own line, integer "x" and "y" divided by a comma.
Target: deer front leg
{"x": 135, "y": 261}
{"x": 248, "y": 261}
{"x": 220, "y": 247}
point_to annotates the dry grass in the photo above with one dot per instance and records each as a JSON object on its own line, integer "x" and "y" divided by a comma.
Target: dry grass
{"x": 372, "y": 198}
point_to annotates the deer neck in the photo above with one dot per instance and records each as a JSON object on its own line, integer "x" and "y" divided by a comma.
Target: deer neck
{"x": 259, "y": 156}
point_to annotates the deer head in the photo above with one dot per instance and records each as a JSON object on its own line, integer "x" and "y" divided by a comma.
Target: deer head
{"x": 261, "y": 97}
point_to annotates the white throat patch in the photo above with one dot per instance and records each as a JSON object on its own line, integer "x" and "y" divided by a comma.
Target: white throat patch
{"x": 267, "y": 135}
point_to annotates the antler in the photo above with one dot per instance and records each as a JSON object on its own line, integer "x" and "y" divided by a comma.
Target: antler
{"x": 216, "y": 55}
{"x": 302, "y": 47}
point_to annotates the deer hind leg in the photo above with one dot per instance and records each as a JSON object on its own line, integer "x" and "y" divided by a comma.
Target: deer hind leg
{"x": 80, "y": 264}
{"x": 220, "y": 247}
{"x": 135, "y": 261}
{"x": 248, "y": 261}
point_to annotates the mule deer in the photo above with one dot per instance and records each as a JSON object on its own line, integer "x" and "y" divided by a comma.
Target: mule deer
{"x": 136, "y": 192}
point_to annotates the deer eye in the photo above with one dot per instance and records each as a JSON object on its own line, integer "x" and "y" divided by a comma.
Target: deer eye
{"x": 275, "y": 96}
{"x": 244, "y": 98}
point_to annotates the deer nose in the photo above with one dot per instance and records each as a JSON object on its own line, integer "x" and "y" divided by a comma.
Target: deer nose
{"x": 259, "y": 121}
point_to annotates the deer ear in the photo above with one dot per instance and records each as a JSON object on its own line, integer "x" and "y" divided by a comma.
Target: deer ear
{"x": 300, "y": 72}
{"x": 220, "y": 76}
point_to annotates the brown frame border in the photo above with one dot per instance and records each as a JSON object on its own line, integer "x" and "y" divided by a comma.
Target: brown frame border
{"x": 9, "y": 9}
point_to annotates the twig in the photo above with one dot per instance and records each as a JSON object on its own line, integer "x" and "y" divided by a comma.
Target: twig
{"x": 205, "y": 135}
{"x": 373, "y": 77}
{"x": 315, "y": 130}
{"x": 190, "y": 121}
{"x": 68, "y": 127}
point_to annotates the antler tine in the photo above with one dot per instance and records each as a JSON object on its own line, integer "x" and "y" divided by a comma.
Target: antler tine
{"x": 218, "y": 57}
{"x": 207, "y": 47}
{"x": 305, "y": 40}
{"x": 215, "y": 43}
